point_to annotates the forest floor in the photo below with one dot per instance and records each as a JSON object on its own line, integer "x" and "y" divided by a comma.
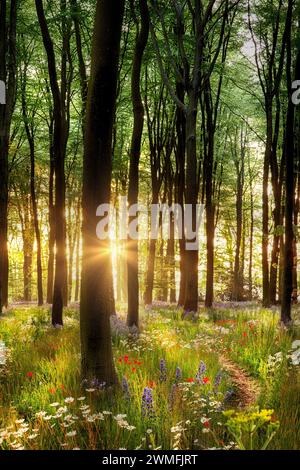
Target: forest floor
{"x": 183, "y": 384}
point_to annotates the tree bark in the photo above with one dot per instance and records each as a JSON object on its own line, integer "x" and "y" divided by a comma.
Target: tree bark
{"x": 287, "y": 277}
{"x": 96, "y": 348}
{"x": 60, "y": 279}
{"x": 8, "y": 71}
{"x": 133, "y": 187}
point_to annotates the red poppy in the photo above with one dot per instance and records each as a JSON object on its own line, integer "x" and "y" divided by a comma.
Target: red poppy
{"x": 29, "y": 375}
{"x": 205, "y": 380}
{"x": 244, "y": 334}
{"x": 138, "y": 363}
{"x": 206, "y": 424}
{"x": 120, "y": 360}
{"x": 151, "y": 384}
{"x": 133, "y": 369}
{"x": 62, "y": 387}
{"x": 52, "y": 390}
{"x": 191, "y": 380}
{"x": 126, "y": 359}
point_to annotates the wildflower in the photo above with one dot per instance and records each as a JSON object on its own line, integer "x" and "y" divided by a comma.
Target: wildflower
{"x": 71, "y": 433}
{"x": 217, "y": 380}
{"x": 191, "y": 380}
{"x": 90, "y": 390}
{"x": 205, "y": 380}
{"x": 163, "y": 370}
{"x": 52, "y": 391}
{"x": 81, "y": 398}
{"x": 173, "y": 395}
{"x": 178, "y": 374}
{"x": 147, "y": 403}
{"x": 29, "y": 375}
{"x": 152, "y": 384}
{"x": 201, "y": 370}
{"x": 54, "y": 405}
{"x": 133, "y": 369}
{"x": 69, "y": 400}
{"x": 125, "y": 388}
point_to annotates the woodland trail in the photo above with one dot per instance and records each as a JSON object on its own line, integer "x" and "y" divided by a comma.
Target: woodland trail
{"x": 246, "y": 388}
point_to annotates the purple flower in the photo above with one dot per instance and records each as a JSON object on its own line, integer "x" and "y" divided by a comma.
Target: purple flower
{"x": 125, "y": 388}
{"x": 201, "y": 370}
{"x": 147, "y": 403}
{"x": 172, "y": 397}
{"x": 178, "y": 374}
{"x": 163, "y": 371}
{"x": 96, "y": 383}
{"x": 217, "y": 380}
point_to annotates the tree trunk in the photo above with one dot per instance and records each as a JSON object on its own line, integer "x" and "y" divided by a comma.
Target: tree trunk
{"x": 191, "y": 255}
{"x": 148, "y": 295}
{"x": 8, "y": 71}
{"x": 96, "y": 348}
{"x": 59, "y": 290}
{"x": 133, "y": 187}
{"x": 30, "y": 137}
{"x": 287, "y": 277}
{"x": 180, "y": 177}
{"x": 51, "y": 217}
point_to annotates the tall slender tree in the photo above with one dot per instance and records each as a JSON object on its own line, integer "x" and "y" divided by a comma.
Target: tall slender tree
{"x": 59, "y": 144}
{"x": 135, "y": 151}
{"x": 287, "y": 275}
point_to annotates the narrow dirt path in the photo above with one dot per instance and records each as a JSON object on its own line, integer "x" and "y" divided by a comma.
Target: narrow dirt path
{"x": 247, "y": 389}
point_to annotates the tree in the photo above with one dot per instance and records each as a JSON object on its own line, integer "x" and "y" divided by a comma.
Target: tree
{"x": 30, "y": 134}
{"x": 135, "y": 151}
{"x": 8, "y": 73}
{"x": 59, "y": 144}
{"x": 96, "y": 349}
{"x": 289, "y": 154}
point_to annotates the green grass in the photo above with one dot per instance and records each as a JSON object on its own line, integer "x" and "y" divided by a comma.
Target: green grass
{"x": 43, "y": 369}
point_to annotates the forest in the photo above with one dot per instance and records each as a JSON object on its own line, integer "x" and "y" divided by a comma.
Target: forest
{"x": 149, "y": 209}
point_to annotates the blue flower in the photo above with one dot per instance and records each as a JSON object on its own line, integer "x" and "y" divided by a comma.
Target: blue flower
{"x": 125, "y": 388}
{"x": 178, "y": 374}
{"x": 147, "y": 403}
{"x": 163, "y": 371}
{"x": 201, "y": 370}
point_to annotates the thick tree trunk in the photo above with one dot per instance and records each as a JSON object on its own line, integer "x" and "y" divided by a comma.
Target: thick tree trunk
{"x": 133, "y": 187}
{"x": 7, "y": 75}
{"x": 96, "y": 348}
